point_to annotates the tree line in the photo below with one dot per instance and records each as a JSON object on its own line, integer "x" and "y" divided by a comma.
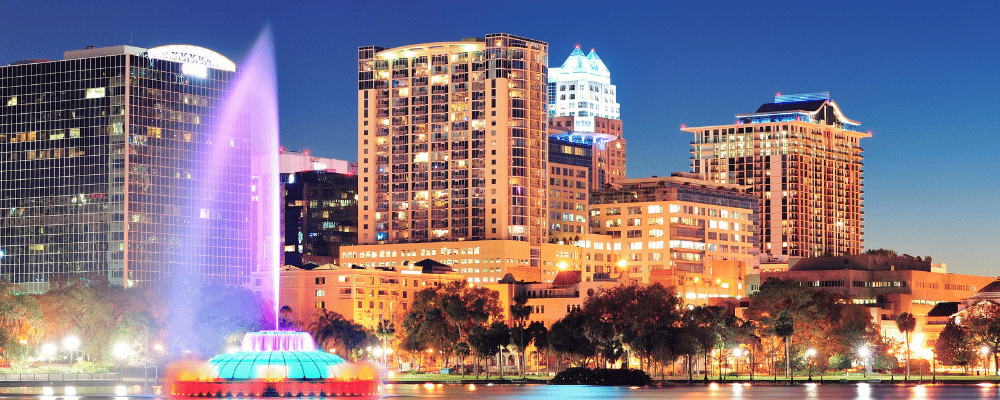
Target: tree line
{"x": 785, "y": 327}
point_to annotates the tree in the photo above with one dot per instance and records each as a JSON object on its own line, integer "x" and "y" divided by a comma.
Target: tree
{"x": 784, "y": 327}
{"x": 991, "y": 338}
{"x": 463, "y": 350}
{"x": 886, "y": 362}
{"x": 21, "y": 323}
{"x": 540, "y": 337}
{"x": 566, "y": 337}
{"x": 520, "y": 311}
{"x": 499, "y": 336}
{"x": 953, "y": 346}
{"x": 882, "y": 252}
{"x": 906, "y": 324}
{"x": 839, "y": 361}
{"x": 332, "y": 330}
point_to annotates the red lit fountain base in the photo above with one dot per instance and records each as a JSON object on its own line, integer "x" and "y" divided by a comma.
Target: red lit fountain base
{"x": 322, "y": 388}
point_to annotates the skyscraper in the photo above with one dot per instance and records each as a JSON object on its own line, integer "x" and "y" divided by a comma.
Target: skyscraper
{"x": 585, "y": 126}
{"x": 802, "y": 157}
{"x": 452, "y": 140}
{"x": 109, "y": 164}
{"x": 582, "y": 88}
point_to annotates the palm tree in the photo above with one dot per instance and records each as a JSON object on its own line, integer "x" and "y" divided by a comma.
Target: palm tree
{"x": 784, "y": 327}
{"x": 906, "y": 323}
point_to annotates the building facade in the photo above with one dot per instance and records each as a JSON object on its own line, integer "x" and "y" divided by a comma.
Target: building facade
{"x": 297, "y": 161}
{"x": 585, "y": 118}
{"x": 890, "y": 286}
{"x": 366, "y": 296}
{"x": 488, "y": 261}
{"x": 674, "y": 228}
{"x": 582, "y": 88}
{"x": 451, "y": 142}
{"x": 802, "y": 158}
{"x": 107, "y": 158}
{"x": 320, "y": 215}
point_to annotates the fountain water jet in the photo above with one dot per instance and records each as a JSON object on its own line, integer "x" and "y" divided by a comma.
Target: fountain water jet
{"x": 269, "y": 363}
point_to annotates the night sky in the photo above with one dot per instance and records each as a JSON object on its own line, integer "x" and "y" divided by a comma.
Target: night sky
{"x": 924, "y": 78}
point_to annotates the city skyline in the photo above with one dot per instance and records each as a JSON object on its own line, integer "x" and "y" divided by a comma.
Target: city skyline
{"x": 908, "y": 75}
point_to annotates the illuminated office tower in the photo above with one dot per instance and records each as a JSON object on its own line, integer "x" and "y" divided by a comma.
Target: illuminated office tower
{"x": 802, "y": 158}
{"x": 452, "y": 140}
{"x": 104, "y": 165}
{"x": 585, "y": 126}
{"x": 582, "y": 88}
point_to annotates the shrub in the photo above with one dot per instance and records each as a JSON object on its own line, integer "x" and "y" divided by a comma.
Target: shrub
{"x": 601, "y": 377}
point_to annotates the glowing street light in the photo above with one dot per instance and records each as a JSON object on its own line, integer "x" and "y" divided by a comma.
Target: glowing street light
{"x": 986, "y": 351}
{"x": 49, "y": 350}
{"x": 737, "y": 352}
{"x": 863, "y": 352}
{"x": 122, "y": 350}
{"x": 810, "y": 354}
{"x": 71, "y": 343}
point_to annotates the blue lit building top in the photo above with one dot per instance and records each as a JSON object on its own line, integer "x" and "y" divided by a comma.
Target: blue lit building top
{"x": 587, "y": 138}
{"x": 815, "y": 108}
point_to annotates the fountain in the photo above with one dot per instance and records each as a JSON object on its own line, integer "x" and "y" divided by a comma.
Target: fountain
{"x": 273, "y": 364}
{"x": 269, "y": 363}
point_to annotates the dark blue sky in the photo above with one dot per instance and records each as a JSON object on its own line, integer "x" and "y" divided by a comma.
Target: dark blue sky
{"x": 923, "y": 77}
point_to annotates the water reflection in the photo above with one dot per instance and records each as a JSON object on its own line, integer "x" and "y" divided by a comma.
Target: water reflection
{"x": 860, "y": 391}
{"x": 864, "y": 391}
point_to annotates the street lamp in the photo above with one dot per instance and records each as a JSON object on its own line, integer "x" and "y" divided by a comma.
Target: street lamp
{"x": 122, "y": 351}
{"x": 809, "y": 354}
{"x": 158, "y": 348}
{"x": 985, "y": 350}
{"x": 71, "y": 343}
{"x": 49, "y": 350}
{"x": 863, "y": 352}
{"x": 737, "y": 352}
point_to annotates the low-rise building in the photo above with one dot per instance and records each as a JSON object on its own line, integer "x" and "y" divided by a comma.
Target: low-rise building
{"x": 363, "y": 295}
{"x": 551, "y": 301}
{"x": 488, "y": 261}
{"x": 891, "y": 286}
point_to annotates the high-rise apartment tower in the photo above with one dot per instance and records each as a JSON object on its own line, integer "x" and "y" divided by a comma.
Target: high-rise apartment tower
{"x": 802, "y": 157}
{"x": 452, "y": 141}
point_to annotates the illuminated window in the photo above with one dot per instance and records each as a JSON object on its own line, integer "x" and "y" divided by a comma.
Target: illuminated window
{"x": 95, "y": 93}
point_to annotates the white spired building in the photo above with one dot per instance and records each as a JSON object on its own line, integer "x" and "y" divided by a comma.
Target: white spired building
{"x": 582, "y": 88}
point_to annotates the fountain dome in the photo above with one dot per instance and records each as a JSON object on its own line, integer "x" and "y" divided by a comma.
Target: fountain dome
{"x": 278, "y": 363}
{"x": 276, "y": 355}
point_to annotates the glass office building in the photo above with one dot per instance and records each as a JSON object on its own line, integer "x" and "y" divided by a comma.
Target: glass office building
{"x": 111, "y": 162}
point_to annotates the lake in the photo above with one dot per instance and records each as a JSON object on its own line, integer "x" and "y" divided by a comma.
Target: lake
{"x": 860, "y": 391}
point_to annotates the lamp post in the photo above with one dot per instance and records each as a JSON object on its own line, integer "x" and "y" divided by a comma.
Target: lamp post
{"x": 933, "y": 355}
{"x": 986, "y": 351}
{"x": 158, "y": 348}
{"x": 122, "y": 351}
{"x": 49, "y": 351}
{"x": 737, "y": 353}
{"x": 863, "y": 352}
{"x": 71, "y": 343}
{"x": 809, "y": 357}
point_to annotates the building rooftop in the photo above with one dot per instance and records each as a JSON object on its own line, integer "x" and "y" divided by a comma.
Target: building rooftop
{"x": 993, "y": 287}
{"x": 807, "y": 106}
{"x": 945, "y": 309}
{"x": 579, "y": 64}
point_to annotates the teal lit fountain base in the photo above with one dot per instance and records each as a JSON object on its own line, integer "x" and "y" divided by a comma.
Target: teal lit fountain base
{"x": 274, "y": 364}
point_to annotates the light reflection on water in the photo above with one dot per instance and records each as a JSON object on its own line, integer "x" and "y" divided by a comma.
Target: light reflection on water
{"x": 860, "y": 391}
